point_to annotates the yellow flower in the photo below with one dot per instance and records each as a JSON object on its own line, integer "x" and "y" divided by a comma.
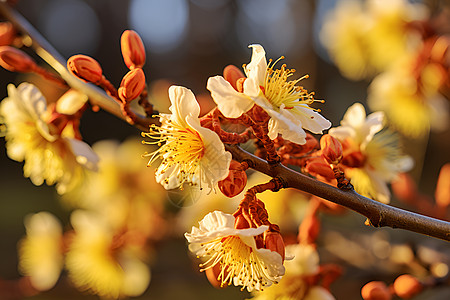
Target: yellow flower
{"x": 40, "y": 252}
{"x": 56, "y": 158}
{"x": 412, "y": 109}
{"x": 99, "y": 261}
{"x": 371, "y": 158}
{"x": 293, "y": 286}
{"x": 270, "y": 88}
{"x": 235, "y": 251}
{"x": 190, "y": 153}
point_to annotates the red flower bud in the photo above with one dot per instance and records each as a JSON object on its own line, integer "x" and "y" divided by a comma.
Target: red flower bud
{"x": 331, "y": 149}
{"x": 317, "y": 166}
{"x": 15, "y": 60}
{"x": 354, "y": 159}
{"x": 274, "y": 242}
{"x": 86, "y": 68}
{"x": 232, "y": 74}
{"x": 235, "y": 182}
{"x": 376, "y": 290}
{"x": 442, "y": 193}
{"x": 133, "y": 50}
{"x": 7, "y": 33}
{"x": 132, "y": 85}
{"x": 407, "y": 286}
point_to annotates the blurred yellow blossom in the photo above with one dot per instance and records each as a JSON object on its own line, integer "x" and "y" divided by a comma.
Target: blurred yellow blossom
{"x": 51, "y": 156}
{"x": 412, "y": 106}
{"x": 371, "y": 158}
{"x": 41, "y": 251}
{"x": 365, "y": 38}
{"x": 101, "y": 260}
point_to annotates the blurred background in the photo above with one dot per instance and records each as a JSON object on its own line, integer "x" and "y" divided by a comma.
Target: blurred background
{"x": 188, "y": 41}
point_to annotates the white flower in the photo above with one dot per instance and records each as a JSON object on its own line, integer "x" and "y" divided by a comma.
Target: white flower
{"x": 240, "y": 261}
{"x": 49, "y": 156}
{"x": 286, "y": 103}
{"x": 40, "y": 252}
{"x": 371, "y": 158}
{"x": 190, "y": 153}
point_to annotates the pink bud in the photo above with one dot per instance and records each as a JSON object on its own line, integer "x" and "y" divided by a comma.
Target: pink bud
{"x": 331, "y": 149}
{"x": 274, "y": 242}
{"x": 235, "y": 182}
{"x": 86, "y": 68}
{"x": 376, "y": 290}
{"x": 132, "y": 85}
{"x": 133, "y": 50}
{"x": 317, "y": 166}
{"x": 407, "y": 286}
{"x": 232, "y": 74}
{"x": 7, "y": 33}
{"x": 15, "y": 60}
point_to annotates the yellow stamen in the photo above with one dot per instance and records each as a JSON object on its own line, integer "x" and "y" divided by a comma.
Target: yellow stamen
{"x": 178, "y": 145}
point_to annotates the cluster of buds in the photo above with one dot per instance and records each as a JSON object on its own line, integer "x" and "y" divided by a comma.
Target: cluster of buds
{"x": 133, "y": 84}
{"x": 405, "y": 287}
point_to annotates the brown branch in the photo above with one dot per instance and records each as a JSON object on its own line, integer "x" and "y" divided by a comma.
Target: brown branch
{"x": 377, "y": 213}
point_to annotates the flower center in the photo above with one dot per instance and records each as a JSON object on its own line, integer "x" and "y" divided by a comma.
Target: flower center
{"x": 237, "y": 260}
{"x": 279, "y": 90}
{"x": 178, "y": 145}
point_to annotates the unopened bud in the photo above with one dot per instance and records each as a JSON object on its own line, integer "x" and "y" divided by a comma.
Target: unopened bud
{"x": 376, "y": 290}
{"x": 317, "y": 166}
{"x": 132, "y": 85}
{"x": 240, "y": 222}
{"x": 71, "y": 102}
{"x": 407, "y": 286}
{"x": 309, "y": 229}
{"x": 235, "y": 182}
{"x": 354, "y": 159}
{"x": 212, "y": 274}
{"x": 232, "y": 74}
{"x": 86, "y": 68}
{"x": 331, "y": 149}
{"x": 274, "y": 242}
{"x": 133, "y": 50}
{"x": 404, "y": 188}
{"x": 7, "y": 33}
{"x": 442, "y": 193}
{"x": 15, "y": 60}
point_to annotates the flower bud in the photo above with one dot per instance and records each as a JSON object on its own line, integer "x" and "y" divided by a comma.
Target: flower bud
{"x": 235, "y": 182}
{"x": 86, "y": 68}
{"x": 240, "y": 84}
{"x": 354, "y": 159}
{"x": 317, "y": 166}
{"x": 232, "y": 74}
{"x": 212, "y": 274}
{"x": 274, "y": 242}
{"x": 309, "y": 229}
{"x": 331, "y": 149}
{"x": 7, "y": 33}
{"x": 442, "y": 193}
{"x": 240, "y": 222}
{"x": 15, "y": 60}
{"x": 407, "y": 286}
{"x": 133, "y": 50}
{"x": 132, "y": 85}
{"x": 376, "y": 290}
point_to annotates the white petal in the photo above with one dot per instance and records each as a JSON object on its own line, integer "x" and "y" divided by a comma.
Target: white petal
{"x": 355, "y": 116}
{"x": 183, "y": 103}
{"x": 372, "y": 125}
{"x": 230, "y": 102}
{"x": 312, "y": 120}
{"x": 84, "y": 154}
{"x": 71, "y": 102}
{"x": 257, "y": 67}
{"x": 286, "y": 124}
{"x": 136, "y": 276}
{"x": 342, "y": 132}
{"x": 170, "y": 174}
{"x": 32, "y": 99}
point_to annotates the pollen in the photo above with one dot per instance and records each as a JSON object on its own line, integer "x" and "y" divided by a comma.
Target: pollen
{"x": 278, "y": 89}
{"x": 237, "y": 260}
{"x": 178, "y": 145}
